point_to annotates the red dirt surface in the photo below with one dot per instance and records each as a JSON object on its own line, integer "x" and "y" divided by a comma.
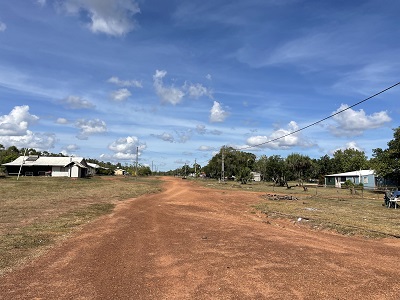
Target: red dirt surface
{"x": 190, "y": 242}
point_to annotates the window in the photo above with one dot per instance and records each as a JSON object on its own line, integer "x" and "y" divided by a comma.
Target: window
{"x": 365, "y": 179}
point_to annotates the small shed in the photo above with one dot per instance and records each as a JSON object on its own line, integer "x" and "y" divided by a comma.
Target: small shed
{"x": 35, "y": 165}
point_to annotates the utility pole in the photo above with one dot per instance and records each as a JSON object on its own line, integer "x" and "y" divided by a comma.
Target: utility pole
{"x": 223, "y": 165}
{"x": 195, "y": 170}
{"x": 137, "y": 158}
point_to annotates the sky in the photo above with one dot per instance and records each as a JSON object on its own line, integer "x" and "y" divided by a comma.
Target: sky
{"x": 174, "y": 81}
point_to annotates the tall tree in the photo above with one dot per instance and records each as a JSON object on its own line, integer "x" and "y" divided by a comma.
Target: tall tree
{"x": 299, "y": 165}
{"x": 349, "y": 160}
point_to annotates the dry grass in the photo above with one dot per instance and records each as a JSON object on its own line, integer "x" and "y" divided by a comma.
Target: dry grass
{"x": 36, "y": 211}
{"x": 326, "y": 208}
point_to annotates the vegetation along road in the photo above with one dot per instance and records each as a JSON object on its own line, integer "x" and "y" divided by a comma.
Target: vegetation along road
{"x": 193, "y": 242}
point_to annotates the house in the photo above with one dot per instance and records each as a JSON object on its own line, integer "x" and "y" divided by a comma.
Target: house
{"x": 366, "y": 177}
{"x": 256, "y": 176}
{"x": 35, "y": 165}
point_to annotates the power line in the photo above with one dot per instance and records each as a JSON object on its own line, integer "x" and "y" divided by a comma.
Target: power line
{"x": 324, "y": 119}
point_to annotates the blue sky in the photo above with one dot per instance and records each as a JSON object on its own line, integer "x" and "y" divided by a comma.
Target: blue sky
{"x": 180, "y": 79}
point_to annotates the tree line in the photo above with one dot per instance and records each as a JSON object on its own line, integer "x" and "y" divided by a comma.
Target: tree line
{"x": 238, "y": 165}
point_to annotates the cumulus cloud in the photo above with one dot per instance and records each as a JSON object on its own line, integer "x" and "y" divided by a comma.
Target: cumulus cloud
{"x": 217, "y": 113}
{"x": 126, "y": 148}
{"x": 38, "y": 141}
{"x": 90, "y": 127}
{"x": 349, "y": 145}
{"x": 165, "y": 137}
{"x": 120, "y": 95}
{"x": 174, "y": 95}
{"x": 169, "y": 94}
{"x": 69, "y": 149}
{"x": 354, "y": 123}
{"x": 75, "y": 102}
{"x": 110, "y": 17}
{"x": 196, "y": 90}
{"x": 62, "y": 121}
{"x": 280, "y": 139}
{"x": 125, "y": 83}
{"x": 3, "y": 27}
{"x": 17, "y": 121}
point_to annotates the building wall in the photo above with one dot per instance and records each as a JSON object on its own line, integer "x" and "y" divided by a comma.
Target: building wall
{"x": 60, "y": 171}
{"x": 70, "y": 171}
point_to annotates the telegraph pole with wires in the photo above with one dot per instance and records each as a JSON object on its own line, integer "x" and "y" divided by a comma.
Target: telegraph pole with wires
{"x": 223, "y": 165}
{"x": 137, "y": 158}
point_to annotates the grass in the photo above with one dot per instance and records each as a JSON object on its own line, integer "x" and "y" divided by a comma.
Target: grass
{"x": 37, "y": 211}
{"x": 325, "y": 208}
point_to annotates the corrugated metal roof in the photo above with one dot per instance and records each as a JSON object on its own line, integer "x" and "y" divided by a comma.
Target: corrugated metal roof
{"x": 46, "y": 161}
{"x": 353, "y": 173}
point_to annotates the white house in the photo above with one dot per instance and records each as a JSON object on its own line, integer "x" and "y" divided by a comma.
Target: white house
{"x": 35, "y": 165}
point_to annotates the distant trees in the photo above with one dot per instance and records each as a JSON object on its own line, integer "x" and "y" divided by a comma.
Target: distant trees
{"x": 280, "y": 170}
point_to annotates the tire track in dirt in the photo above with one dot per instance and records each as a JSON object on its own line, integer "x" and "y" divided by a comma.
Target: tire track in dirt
{"x": 189, "y": 242}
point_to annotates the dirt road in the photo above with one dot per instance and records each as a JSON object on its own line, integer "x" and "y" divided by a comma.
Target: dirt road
{"x": 190, "y": 242}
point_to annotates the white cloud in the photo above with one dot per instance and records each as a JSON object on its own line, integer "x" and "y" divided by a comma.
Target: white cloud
{"x": 125, "y": 83}
{"x": 165, "y": 137}
{"x": 17, "y": 121}
{"x": 280, "y": 139}
{"x": 89, "y": 127}
{"x": 170, "y": 94}
{"x": 62, "y": 121}
{"x": 69, "y": 149}
{"x": 196, "y": 90}
{"x": 349, "y": 145}
{"x": 120, "y": 95}
{"x": 38, "y": 141}
{"x": 111, "y": 17}
{"x": 209, "y": 77}
{"x": 127, "y": 148}
{"x": 217, "y": 113}
{"x": 3, "y": 27}
{"x": 75, "y": 102}
{"x": 353, "y": 123}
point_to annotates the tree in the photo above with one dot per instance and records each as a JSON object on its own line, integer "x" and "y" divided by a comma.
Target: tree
{"x": 349, "y": 160}
{"x": 276, "y": 170}
{"x": 386, "y": 163}
{"x": 299, "y": 165}
{"x": 236, "y": 164}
